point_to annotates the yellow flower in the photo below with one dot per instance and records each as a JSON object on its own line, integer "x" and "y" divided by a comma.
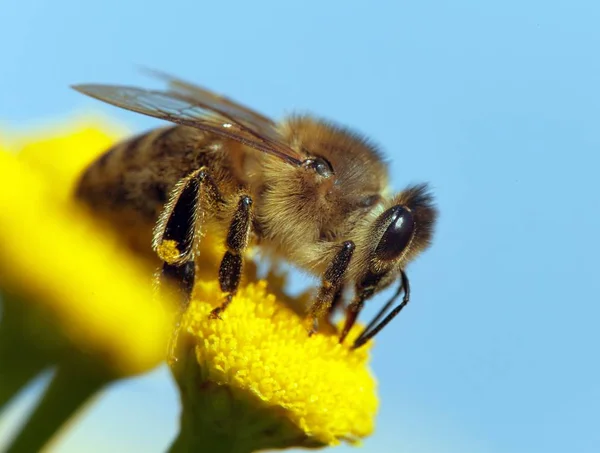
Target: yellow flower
{"x": 60, "y": 152}
{"x": 311, "y": 390}
{"x": 55, "y": 257}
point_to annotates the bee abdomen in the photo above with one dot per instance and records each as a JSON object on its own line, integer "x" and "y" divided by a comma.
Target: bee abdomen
{"x": 139, "y": 173}
{"x": 103, "y": 183}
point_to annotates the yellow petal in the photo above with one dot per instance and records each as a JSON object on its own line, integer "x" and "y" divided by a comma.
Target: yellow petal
{"x": 54, "y": 255}
{"x": 60, "y": 155}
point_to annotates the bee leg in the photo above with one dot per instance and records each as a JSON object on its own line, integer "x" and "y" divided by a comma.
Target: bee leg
{"x": 176, "y": 231}
{"x": 352, "y": 312}
{"x": 180, "y": 278}
{"x": 175, "y": 238}
{"x": 331, "y": 283}
{"x": 335, "y": 304}
{"x": 230, "y": 271}
{"x": 373, "y": 328}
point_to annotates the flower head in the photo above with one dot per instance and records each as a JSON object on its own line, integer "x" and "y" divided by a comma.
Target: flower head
{"x": 316, "y": 390}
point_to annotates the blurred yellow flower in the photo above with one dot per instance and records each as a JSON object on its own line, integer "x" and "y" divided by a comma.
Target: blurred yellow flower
{"x": 53, "y": 255}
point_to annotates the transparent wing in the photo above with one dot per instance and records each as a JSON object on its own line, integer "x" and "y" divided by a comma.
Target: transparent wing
{"x": 247, "y": 115}
{"x": 196, "y": 107}
{"x": 254, "y": 121}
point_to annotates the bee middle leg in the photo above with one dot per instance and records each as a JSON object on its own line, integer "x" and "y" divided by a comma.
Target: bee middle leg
{"x": 230, "y": 271}
{"x": 330, "y": 289}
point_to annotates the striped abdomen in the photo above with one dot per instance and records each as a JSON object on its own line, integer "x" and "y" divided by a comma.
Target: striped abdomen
{"x": 129, "y": 184}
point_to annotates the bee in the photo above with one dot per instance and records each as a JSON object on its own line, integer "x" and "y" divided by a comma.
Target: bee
{"x": 304, "y": 189}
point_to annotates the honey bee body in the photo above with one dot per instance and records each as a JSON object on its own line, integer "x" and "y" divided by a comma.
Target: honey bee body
{"x": 295, "y": 218}
{"x": 305, "y": 190}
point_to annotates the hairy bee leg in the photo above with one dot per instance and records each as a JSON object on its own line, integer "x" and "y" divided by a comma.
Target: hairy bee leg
{"x": 373, "y": 328}
{"x": 387, "y": 305}
{"x": 181, "y": 279}
{"x": 230, "y": 271}
{"x": 352, "y": 312}
{"x": 175, "y": 235}
{"x": 331, "y": 283}
{"x": 335, "y": 304}
{"x": 175, "y": 232}
{"x": 175, "y": 238}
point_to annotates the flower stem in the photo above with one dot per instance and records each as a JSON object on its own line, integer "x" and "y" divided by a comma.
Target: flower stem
{"x": 21, "y": 359}
{"x": 14, "y": 378}
{"x": 70, "y": 388}
{"x": 199, "y": 440}
{"x": 207, "y": 424}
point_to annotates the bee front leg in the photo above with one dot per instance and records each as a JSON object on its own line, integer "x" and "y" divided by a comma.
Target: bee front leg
{"x": 364, "y": 292}
{"x": 330, "y": 285}
{"x": 375, "y": 326}
{"x": 230, "y": 271}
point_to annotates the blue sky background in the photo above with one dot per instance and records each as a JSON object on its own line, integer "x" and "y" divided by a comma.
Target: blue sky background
{"x": 495, "y": 103}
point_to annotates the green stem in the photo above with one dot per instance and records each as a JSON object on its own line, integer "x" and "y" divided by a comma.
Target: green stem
{"x": 21, "y": 360}
{"x": 206, "y": 423}
{"x": 198, "y": 440}
{"x": 14, "y": 378}
{"x": 70, "y": 388}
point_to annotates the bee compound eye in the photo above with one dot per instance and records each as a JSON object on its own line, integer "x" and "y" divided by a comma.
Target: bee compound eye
{"x": 398, "y": 233}
{"x": 320, "y": 165}
{"x": 323, "y": 168}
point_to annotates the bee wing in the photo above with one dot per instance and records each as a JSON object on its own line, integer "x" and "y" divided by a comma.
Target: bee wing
{"x": 263, "y": 126}
{"x": 196, "y": 108}
{"x": 249, "y": 116}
